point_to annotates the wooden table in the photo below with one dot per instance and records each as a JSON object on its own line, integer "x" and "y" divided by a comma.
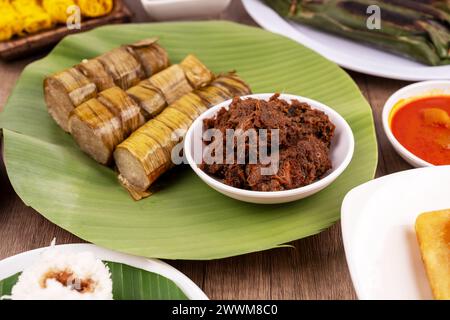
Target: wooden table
{"x": 314, "y": 269}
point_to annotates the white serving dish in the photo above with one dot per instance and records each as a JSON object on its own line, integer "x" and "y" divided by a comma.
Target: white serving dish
{"x": 416, "y": 90}
{"x": 15, "y": 264}
{"x": 347, "y": 53}
{"x": 378, "y": 227}
{"x": 342, "y": 148}
{"x": 184, "y": 9}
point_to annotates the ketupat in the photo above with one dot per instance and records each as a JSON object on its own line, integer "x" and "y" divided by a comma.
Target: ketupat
{"x": 100, "y": 124}
{"x": 418, "y": 30}
{"x": 123, "y": 67}
{"x": 147, "y": 153}
{"x": 155, "y": 93}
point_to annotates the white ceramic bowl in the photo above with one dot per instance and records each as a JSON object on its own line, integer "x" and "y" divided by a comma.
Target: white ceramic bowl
{"x": 342, "y": 147}
{"x": 416, "y": 90}
{"x": 183, "y": 9}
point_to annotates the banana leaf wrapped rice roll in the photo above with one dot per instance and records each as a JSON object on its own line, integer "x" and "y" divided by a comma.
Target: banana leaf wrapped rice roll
{"x": 125, "y": 70}
{"x": 123, "y": 107}
{"x": 192, "y": 105}
{"x": 162, "y": 89}
{"x": 151, "y": 55}
{"x": 149, "y": 98}
{"x": 100, "y": 124}
{"x": 65, "y": 90}
{"x": 140, "y": 165}
{"x": 123, "y": 67}
{"x": 93, "y": 70}
{"x": 131, "y": 108}
{"x": 96, "y": 129}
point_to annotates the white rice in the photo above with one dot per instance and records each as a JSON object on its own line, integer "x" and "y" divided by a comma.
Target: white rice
{"x": 87, "y": 278}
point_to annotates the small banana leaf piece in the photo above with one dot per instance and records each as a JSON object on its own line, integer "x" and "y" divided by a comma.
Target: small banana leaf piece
{"x": 419, "y": 30}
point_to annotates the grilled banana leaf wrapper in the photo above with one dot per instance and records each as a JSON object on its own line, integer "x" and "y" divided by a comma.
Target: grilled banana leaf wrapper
{"x": 123, "y": 67}
{"x": 101, "y": 123}
{"x": 147, "y": 153}
{"x": 419, "y": 30}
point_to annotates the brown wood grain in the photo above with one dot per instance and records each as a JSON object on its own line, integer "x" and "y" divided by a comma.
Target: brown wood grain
{"x": 315, "y": 268}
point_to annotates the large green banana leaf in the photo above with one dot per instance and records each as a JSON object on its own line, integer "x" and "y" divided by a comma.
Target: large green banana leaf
{"x": 185, "y": 219}
{"x": 129, "y": 283}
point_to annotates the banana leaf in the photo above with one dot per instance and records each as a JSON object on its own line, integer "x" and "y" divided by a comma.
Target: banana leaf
{"x": 129, "y": 283}
{"x": 419, "y": 30}
{"x": 184, "y": 218}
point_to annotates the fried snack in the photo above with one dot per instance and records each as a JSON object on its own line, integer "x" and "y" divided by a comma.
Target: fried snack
{"x": 433, "y": 234}
{"x": 95, "y": 8}
{"x": 33, "y": 17}
{"x": 57, "y": 9}
{"x": 10, "y": 22}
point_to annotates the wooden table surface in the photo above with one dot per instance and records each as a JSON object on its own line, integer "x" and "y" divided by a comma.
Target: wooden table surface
{"x": 314, "y": 269}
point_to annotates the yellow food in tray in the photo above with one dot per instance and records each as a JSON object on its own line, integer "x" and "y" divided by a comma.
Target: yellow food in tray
{"x": 57, "y": 9}
{"x": 95, "y": 8}
{"x": 33, "y": 17}
{"x": 22, "y": 17}
{"x": 433, "y": 234}
{"x": 10, "y": 22}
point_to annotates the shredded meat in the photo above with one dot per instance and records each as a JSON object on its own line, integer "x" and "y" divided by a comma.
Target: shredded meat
{"x": 304, "y": 141}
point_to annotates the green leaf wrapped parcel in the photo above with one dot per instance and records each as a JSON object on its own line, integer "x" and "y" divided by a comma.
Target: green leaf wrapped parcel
{"x": 419, "y": 30}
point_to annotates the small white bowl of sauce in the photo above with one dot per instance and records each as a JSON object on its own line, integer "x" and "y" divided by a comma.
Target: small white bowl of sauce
{"x": 416, "y": 120}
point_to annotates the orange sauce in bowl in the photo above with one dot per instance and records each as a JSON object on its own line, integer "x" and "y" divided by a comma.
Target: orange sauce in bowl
{"x": 423, "y": 127}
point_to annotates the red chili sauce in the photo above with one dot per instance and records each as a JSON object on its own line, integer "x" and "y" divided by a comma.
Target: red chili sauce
{"x": 423, "y": 127}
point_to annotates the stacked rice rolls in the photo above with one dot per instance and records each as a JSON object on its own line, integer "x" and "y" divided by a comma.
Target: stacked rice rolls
{"x": 100, "y": 124}
{"x": 147, "y": 153}
{"x": 123, "y": 67}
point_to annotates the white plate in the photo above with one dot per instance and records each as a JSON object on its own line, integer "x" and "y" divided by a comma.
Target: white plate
{"x": 380, "y": 243}
{"x": 11, "y": 266}
{"x": 346, "y": 53}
